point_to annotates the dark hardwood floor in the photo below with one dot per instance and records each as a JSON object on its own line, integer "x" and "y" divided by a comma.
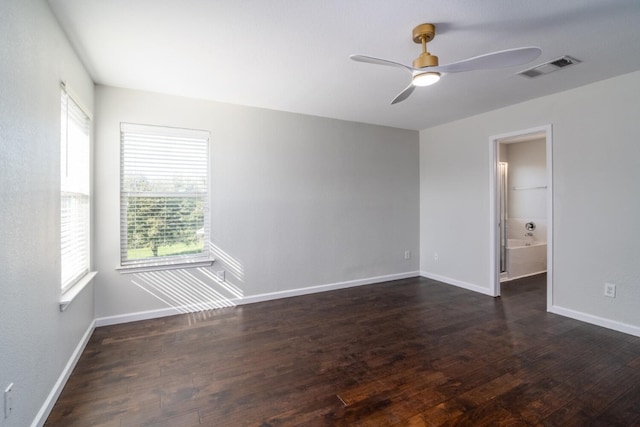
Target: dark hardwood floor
{"x": 412, "y": 352}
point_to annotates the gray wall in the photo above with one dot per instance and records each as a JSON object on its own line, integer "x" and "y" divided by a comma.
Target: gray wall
{"x": 297, "y": 201}
{"x": 36, "y": 339}
{"x": 596, "y": 172}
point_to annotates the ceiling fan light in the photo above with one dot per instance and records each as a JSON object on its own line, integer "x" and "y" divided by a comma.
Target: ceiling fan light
{"x": 426, "y": 79}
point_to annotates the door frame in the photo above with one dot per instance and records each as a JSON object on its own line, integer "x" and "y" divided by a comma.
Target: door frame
{"x": 494, "y": 209}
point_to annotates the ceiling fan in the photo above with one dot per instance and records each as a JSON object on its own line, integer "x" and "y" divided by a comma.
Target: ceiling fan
{"x": 426, "y": 71}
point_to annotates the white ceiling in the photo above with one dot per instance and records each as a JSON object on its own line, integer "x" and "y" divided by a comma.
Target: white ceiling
{"x": 293, "y": 55}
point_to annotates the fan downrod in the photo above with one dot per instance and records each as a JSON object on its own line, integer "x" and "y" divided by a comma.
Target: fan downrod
{"x": 422, "y": 34}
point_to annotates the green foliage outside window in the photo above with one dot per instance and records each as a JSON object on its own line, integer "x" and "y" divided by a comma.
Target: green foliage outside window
{"x": 172, "y": 223}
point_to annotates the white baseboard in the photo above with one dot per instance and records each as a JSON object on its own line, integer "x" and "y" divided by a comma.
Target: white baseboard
{"x": 324, "y": 288}
{"x": 51, "y": 399}
{"x": 596, "y": 320}
{"x": 577, "y": 315}
{"x": 171, "y": 311}
{"x": 134, "y": 317}
{"x": 458, "y": 283}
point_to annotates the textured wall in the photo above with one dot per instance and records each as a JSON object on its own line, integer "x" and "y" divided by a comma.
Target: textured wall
{"x": 36, "y": 339}
{"x": 596, "y": 171}
{"x": 297, "y": 201}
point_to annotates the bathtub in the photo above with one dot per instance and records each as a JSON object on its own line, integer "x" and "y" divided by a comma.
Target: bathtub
{"x": 525, "y": 258}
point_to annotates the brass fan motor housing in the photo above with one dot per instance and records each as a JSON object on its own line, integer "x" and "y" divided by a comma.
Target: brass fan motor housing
{"x": 422, "y": 34}
{"x": 425, "y": 60}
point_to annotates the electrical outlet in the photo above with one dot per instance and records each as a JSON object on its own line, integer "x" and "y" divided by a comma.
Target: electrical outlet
{"x": 609, "y": 290}
{"x": 435, "y": 256}
{"x": 407, "y": 254}
{"x": 8, "y": 400}
{"x": 220, "y": 275}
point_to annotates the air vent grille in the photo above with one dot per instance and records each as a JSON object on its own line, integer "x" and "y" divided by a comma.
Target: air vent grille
{"x": 563, "y": 62}
{"x": 549, "y": 67}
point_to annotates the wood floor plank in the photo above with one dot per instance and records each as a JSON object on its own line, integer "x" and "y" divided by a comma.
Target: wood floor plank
{"x": 413, "y": 352}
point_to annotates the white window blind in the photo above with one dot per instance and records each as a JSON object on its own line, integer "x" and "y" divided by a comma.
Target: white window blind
{"x": 163, "y": 195}
{"x": 74, "y": 191}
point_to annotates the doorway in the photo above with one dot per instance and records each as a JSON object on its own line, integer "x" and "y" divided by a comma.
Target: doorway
{"x": 521, "y": 190}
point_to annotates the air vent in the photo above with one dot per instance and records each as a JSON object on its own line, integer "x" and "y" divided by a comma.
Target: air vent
{"x": 563, "y": 62}
{"x": 549, "y": 67}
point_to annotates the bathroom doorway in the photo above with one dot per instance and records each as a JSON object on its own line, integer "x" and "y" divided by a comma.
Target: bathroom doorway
{"x": 521, "y": 201}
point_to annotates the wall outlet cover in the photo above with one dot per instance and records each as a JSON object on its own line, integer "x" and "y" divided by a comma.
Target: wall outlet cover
{"x": 609, "y": 290}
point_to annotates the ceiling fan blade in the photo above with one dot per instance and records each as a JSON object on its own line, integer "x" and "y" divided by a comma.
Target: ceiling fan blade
{"x": 404, "y": 94}
{"x": 503, "y": 58}
{"x": 379, "y": 61}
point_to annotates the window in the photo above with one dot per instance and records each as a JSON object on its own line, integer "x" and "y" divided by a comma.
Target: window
{"x": 163, "y": 196}
{"x": 74, "y": 191}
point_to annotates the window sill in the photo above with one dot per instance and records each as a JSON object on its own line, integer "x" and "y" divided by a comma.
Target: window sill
{"x": 70, "y": 294}
{"x": 129, "y": 269}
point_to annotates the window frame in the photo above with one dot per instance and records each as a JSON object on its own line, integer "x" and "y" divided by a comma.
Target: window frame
{"x": 163, "y": 262}
{"x": 75, "y": 282}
